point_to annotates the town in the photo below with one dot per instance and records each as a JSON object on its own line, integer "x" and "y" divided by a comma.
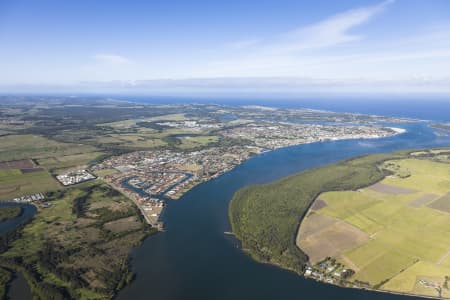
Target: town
{"x": 333, "y": 272}
{"x": 151, "y": 178}
{"x": 74, "y": 177}
{"x": 277, "y": 135}
{"x": 29, "y": 198}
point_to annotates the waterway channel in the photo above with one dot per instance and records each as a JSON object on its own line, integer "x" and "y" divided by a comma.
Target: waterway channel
{"x": 194, "y": 259}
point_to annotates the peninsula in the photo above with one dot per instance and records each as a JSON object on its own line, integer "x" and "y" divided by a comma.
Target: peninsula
{"x": 373, "y": 222}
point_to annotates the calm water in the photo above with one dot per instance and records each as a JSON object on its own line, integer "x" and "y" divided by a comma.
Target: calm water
{"x": 18, "y": 288}
{"x": 431, "y": 108}
{"x": 28, "y": 212}
{"x": 193, "y": 259}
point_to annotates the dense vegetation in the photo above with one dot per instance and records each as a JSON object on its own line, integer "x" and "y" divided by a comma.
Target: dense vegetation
{"x": 69, "y": 252}
{"x": 5, "y": 278}
{"x": 266, "y": 217}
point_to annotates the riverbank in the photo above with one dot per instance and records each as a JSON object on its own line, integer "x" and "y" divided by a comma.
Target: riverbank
{"x": 10, "y": 212}
{"x": 267, "y": 227}
{"x": 260, "y": 215}
{"x": 199, "y": 219}
{"x": 151, "y": 178}
{"x": 414, "y": 190}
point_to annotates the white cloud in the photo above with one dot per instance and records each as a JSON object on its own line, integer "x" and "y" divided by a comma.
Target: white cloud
{"x": 314, "y": 51}
{"x": 289, "y": 54}
{"x": 332, "y": 31}
{"x": 331, "y": 55}
{"x": 112, "y": 59}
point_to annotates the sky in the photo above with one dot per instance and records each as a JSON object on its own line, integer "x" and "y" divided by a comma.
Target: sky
{"x": 234, "y": 46}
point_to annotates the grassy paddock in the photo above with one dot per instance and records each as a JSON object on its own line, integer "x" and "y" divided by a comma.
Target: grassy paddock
{"x": 14, "y": 183}
{"x": 14, "y": 147}
{"x": 409, "y": 239}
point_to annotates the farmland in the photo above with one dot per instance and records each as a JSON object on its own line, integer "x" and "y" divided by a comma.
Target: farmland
{"x": 15, "y": 147}
{"x": 16, "y": 183}
{"x": 403, "y": 244}
{"x": 27, "y": 161}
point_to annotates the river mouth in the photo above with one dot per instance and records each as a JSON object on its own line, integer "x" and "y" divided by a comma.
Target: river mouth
{"x": 194, "y": 259}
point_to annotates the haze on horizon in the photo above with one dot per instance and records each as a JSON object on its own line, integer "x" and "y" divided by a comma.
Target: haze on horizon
{"x": 176, "y": 47}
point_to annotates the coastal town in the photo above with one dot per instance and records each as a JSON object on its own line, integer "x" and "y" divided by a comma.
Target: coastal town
{"x": 151, "y": 178}
{"x": 333, "y": 272}
{"x": 277, "y": 135}
{"x": 162, "y": 157}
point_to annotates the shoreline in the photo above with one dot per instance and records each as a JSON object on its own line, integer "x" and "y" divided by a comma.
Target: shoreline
{"x": 371, "y": 289}
{"x": 159, "y": 224}
{"x": 374, "y": 290}
{"x": 350, "y": 286}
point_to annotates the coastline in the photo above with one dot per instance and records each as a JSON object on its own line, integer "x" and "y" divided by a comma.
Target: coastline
{"x": 376, "y": 290}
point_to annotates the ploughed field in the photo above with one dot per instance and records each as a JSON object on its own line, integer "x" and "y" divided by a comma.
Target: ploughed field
{"x": 394, "y": 235}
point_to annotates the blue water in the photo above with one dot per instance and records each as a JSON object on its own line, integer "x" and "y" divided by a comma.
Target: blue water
{"x": 28, "y": 211}
{"x": 426, "y": 108}
{"x": 18, "y": 287}
{"x": 193, "y": 259}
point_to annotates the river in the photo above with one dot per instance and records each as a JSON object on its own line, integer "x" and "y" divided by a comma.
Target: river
{"x": 194, "y": 259}
{"x": 28, "y": 212}
{"x": 18, "y": 287}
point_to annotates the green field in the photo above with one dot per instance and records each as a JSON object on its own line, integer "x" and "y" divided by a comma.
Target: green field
{"x": 14, "y": 147}
{"x": 131, "y": 141}
{"x": 48, "y": 155}
{"x": 14, "y": 183}
{"x": 407, "y": 219}
{"x": 68, "y": 161}
{"x": 197, "y": 141}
